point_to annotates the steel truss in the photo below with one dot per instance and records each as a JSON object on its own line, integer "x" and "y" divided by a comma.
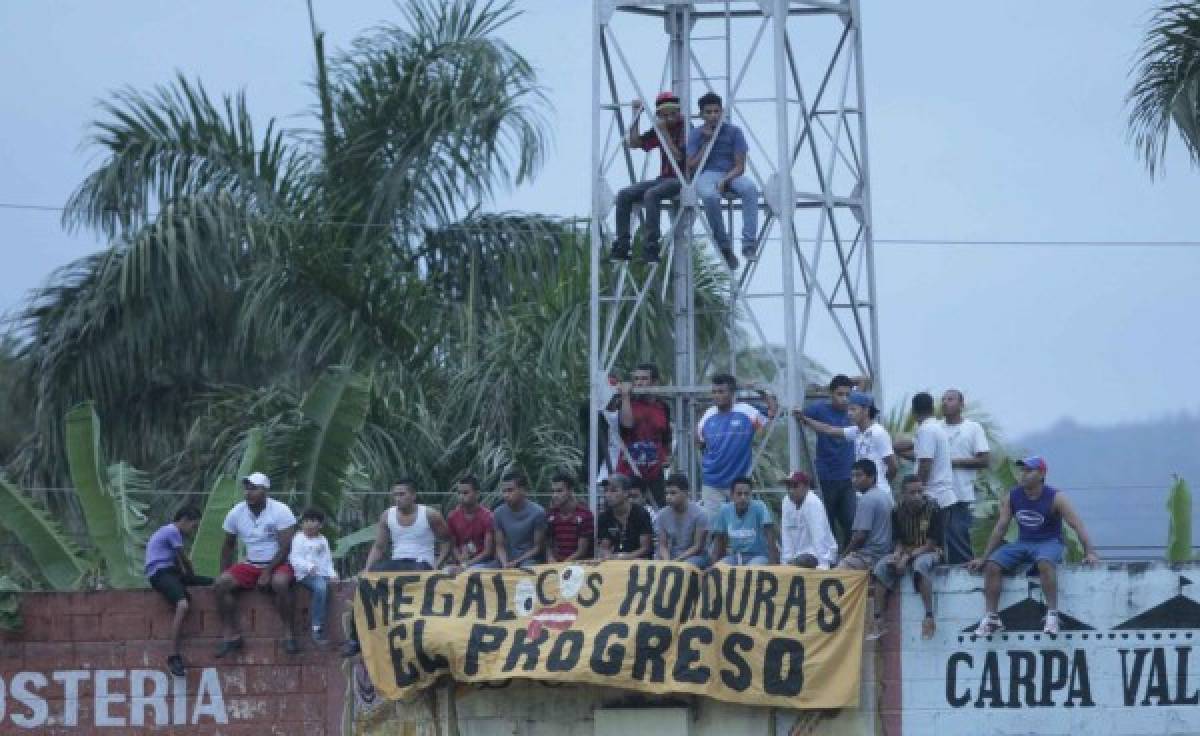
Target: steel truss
{"x": 790, "y": 73}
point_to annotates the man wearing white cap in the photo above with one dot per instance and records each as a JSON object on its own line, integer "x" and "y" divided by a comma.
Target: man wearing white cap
{"x": 266, "y": 527}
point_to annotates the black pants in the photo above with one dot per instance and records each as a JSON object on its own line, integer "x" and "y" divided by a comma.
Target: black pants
{"x": 173, "y": 584}
{"x": 651, "y": 193}
{"x": 840, "y": 503}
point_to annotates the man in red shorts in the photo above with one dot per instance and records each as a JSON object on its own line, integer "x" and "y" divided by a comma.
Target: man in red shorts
{"x": 266, "y": 527}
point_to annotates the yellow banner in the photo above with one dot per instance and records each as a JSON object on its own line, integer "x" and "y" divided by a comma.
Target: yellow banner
{"x": 778, "y": 636}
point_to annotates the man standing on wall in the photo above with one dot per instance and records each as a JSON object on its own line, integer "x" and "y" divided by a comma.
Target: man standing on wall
{"x": 652, "y": 192}
{"x": 835, "y": 455}
{"x": 721, "y": 147}
{"x": 645, "y": 432}
{"x": 725, "y": 434}
{"x": 1040, "y": 511}
{"x": 969, "y": 453}
{"x": 170, "y": 573}
{"x": 871, "y": 441}
{"x": 266, "y": 527}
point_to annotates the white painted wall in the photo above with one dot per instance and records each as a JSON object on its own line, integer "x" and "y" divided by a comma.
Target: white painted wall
{"x": 1162, "y": 681}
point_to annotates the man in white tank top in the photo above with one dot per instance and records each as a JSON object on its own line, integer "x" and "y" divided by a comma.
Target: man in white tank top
{"x": 410, "y": 536}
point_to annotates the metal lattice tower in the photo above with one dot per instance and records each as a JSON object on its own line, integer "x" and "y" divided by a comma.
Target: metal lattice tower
{"x": 790, "y": 73}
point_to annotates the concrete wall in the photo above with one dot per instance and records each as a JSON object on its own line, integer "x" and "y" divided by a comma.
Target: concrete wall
{"x": 1124, "y": 662}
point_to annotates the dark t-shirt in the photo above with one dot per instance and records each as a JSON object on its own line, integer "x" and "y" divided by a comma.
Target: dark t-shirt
{"x": 625, "y": 538}
{"x": 835, "y": 455}
{"x": 567, "y": 529}
{"x": 913, "y": 524}
{"x": 649, "y": 141}
{"x": 649, "y": 440}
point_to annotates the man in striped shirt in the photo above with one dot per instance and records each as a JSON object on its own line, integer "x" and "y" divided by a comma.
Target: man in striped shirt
{"x": 917, "y": 525}
{"x": 570, "y": 524}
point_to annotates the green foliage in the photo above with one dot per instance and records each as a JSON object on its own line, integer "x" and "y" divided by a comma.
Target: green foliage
{"x": 114, "y": 523}
{"x": 1166, "y": 88}
{"x": 225, "y": 494}
{"x": 58, "y": 561}
{"x": 1179, "y": 529}
{"x": 10, "y": 604}
{"x": 348, "y": 542}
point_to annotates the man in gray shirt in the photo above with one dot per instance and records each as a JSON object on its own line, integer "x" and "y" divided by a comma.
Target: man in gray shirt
{"x": 520, "y": 525}
{"x": 871, "y": 535}
{"x": 682, "y": 526}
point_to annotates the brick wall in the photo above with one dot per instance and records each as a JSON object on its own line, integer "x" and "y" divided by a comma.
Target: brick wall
{"x": 110, "y": 649}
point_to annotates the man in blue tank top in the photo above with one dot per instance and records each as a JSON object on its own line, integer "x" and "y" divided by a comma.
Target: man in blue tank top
{"x": 1040, "y": 511}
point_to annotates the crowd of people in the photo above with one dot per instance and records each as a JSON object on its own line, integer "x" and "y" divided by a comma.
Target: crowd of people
{"x": 848, "y": 519}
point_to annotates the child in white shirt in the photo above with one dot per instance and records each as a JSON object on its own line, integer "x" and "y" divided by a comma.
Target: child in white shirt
{"x": 312, "y": 562}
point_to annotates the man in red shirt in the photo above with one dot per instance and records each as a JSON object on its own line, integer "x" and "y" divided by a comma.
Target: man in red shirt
{"x": 645, "y": 433}
{"x": 569, "y": 522}
{"x": 652, "y": 192}
{"x": 472, "y": 541}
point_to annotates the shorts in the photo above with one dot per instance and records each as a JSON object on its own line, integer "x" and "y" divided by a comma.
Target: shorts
{"x": 245, "y": 574}
{"x": 858, "y": 560}
{"x": 1016, "y": 554}
{"x": 172, "y": 584}
{"x": 922, "y": 564}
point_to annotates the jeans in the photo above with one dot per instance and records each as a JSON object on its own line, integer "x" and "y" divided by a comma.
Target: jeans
{"x": 651, "y": 193}
{"x": 840, "y": 503}
{"x": 958, "y": 522}
{"x": 740, "y": 558}
{"x": 743, "y": 187}
{"x": 319, "y": 586}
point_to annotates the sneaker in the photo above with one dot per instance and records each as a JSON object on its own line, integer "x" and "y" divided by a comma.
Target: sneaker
{"x": 651, "y": 250}
{"x": 749, "y": 251}
{"x": 1051, "y": 623}
{"x": 619, "y": 250}
{"x": 928, "y": 627}
{"x": 350, "y": 648}
{"x": 730, "y": 259}
{"x": 175, "y": 665}
{"x": 229, "y": 646}
{"x": 991, "y": 624}
{"x": 291, "y": 646}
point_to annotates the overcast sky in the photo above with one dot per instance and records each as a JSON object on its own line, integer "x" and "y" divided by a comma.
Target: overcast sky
{"x": 988, "y": 121}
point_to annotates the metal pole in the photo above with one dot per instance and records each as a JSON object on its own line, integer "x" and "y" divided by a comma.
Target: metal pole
{"x": 785, "y": 198}
{"x": 594, "y": 275}
{"x": 868, "y": 236}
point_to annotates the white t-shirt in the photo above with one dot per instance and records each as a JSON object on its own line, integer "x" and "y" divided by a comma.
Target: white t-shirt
{"x": 967, "y": 439}
{"x": 806, "y": 531}
{"x": 259, "y": 533}
{"x": 874, "y": 444}
{"x": 930, "y": 443}
{"x": 311, "y": 556}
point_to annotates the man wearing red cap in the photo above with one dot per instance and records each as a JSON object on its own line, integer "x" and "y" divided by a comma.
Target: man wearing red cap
{"x": 1040, "y": 511}
{"x": 807, "y": 539}
{"x": 652, "y": 192}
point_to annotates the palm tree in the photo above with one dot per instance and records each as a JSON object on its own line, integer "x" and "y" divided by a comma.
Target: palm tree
{"x": 248, "y": 257}
{"x": 1166, "y": 89}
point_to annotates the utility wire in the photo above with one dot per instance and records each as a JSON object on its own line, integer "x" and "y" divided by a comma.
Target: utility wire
{"x": 567, "y": 218}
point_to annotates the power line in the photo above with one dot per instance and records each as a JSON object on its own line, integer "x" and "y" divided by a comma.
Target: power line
{"x": 882, "y": 241}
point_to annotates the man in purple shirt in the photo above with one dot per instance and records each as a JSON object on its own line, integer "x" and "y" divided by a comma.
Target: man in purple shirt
{"x": 170, "y": 572}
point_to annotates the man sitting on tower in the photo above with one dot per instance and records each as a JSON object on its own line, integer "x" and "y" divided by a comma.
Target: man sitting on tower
{"x": 653, "y": 191}
{"x": 717, "y": 150}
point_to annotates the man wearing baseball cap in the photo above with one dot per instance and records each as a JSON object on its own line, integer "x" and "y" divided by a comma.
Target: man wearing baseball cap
{"x": 668, "y": 135}
{"x": 807, "y": 539}
{"x": 1040, "y": 511}
{"x": 871, "y": 441}
{"x": 266, "y": 527}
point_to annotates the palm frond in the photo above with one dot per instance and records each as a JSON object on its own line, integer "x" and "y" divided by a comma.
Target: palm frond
{"x": 1166, "y": 88}
{"x": 58, "y": 560}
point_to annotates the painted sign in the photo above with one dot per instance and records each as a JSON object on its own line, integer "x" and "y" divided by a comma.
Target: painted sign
{"x": 118, "y": 699}
{"x": 1124, "y": 656}
{"x": 759, "y": 635}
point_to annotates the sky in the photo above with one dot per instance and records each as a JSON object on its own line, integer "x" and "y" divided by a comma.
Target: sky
{"x": 987, "y": 121}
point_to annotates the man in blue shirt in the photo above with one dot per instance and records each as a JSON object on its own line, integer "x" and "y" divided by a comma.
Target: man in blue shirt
{"x": 717, "y": 150}
{"x": 725, "y": 434}
{"x": 744, "y": 531}
{"x": 170, "y": 573}
{"x": 835, "y": 455}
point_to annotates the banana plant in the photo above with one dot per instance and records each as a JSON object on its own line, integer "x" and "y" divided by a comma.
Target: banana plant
{"x": 1179, "y": 529}
{"x": 115, "y": 522}
{"x": 226, "y": 492}
{"x": 59, "y": 563}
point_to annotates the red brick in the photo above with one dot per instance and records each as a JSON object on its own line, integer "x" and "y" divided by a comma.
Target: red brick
{"x": 40, "y": 627}
{"x": 54, "y": 655}
{"x": 124, "y": 626}
{"x": 272, "y": 680}
{"x": 103, "y": 655}
{"x": 83, "y": 627}
{"x": 314, "y": 678}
